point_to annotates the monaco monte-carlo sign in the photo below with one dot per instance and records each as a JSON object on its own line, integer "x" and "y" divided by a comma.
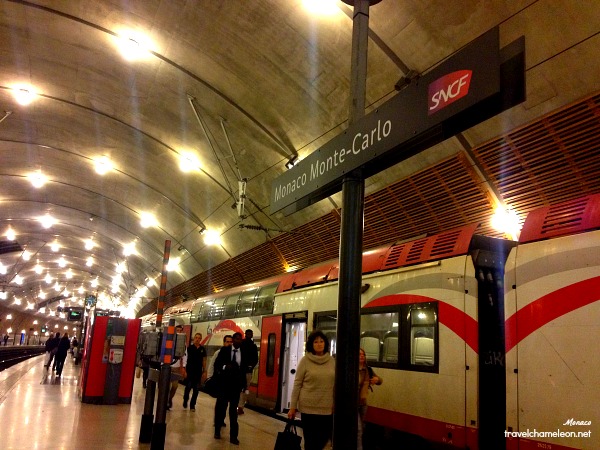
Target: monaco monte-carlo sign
{"x": 476, "y": 83}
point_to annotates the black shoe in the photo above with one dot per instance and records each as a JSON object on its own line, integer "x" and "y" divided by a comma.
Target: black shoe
{"x": 217, "y": 435}
{"x": 184, "y": 404}
{"x": 234, "y": 441}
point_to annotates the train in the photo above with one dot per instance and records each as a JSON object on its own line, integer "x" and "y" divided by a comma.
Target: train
{"x": 483, "y": 343}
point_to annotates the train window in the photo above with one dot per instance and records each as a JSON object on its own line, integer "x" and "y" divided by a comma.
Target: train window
{"x": 230, "y": 305}
{"x": 271, "y": 341}
{"x": 422, "y": 336}
{"x": 216, "y": 309}
{"x": 265, "y": 300}
{"x": 195, "y": 314}
{"x": 204, "y": 313}
{"x": 246, "y": 303}
{"x": 379, "y": 336}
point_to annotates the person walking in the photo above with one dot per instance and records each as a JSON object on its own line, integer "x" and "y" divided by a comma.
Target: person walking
{"x": 195, "y": 369}
{"x": 61, "y": 353}
{"x": 313, "y": 392}
{"x": 366, "y": 379}
{"x": 5, "y": 339}
{"x": 250, "y": 352}
{"x": 51, "y": 347}
{"x": 229, "y": 366}
{"x": 227, "y": 342}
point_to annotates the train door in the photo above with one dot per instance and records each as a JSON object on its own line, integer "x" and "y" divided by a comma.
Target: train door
{"x": 489, "y": 266}
{"x": 268, "y": 367}
{"x": 295, "y": 335}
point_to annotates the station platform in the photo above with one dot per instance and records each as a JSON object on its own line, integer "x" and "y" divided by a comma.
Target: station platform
{"x": 44, "y": 412}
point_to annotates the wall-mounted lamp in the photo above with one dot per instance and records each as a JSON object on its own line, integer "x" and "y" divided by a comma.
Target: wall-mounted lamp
{"x": 202, "y": 229}
{"x": 292, "y": 162}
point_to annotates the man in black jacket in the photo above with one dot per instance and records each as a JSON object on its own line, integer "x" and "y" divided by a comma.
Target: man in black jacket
{"x": 195, "y": 366}
{"x": 250, "y": 352}
{"x": 229, "y": 368}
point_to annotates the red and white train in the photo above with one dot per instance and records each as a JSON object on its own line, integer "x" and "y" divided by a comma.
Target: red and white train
{"x": 483, "y": 343}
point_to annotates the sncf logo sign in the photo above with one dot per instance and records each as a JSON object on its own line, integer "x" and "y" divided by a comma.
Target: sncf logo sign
{"x": 448, "y": 89}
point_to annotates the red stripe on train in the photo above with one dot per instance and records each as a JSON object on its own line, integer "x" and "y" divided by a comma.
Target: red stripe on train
{"x": 460, "y": 323}
{"x": 549, "y": 307}
{"x": 432, "y": 430}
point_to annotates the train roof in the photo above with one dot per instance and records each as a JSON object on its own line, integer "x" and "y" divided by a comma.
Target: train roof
{"x": 570, "y": 217}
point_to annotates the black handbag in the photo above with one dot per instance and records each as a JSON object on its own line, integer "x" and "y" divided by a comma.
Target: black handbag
{"x": 288, "y": 439}
{"x": 212, "y": 386}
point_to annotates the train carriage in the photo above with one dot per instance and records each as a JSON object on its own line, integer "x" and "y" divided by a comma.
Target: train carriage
{"x": 469, "y": 354}
{"x": 553, "y": 329}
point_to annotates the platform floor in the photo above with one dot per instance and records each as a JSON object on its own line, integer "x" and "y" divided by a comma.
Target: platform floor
{"x": 42, "y": 413}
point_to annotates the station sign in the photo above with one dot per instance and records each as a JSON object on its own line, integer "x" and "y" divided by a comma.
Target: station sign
{"x": 473, "y": 85}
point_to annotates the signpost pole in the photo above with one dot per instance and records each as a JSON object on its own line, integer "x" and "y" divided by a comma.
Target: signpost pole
{"x": 345, "y": 419}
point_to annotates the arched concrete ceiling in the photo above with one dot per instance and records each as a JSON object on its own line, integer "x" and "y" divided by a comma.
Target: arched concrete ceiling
{"x": 241, "y": 85}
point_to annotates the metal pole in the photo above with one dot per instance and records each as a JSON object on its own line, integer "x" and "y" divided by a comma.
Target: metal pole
{"x": 345, "y": 418}
{"x": 163, "y": 285}
{"x": 148, "y": 416}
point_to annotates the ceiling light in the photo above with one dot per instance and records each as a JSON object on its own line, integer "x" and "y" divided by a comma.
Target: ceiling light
{"x": 3, "y": 269}
{"x": 507, "y": 221}
{"x": 41, "y": 295}
{"x": 188, "y": 162}
{"x": 47, "y": 221}
{"x": 19, "y": 279}
{"x": 321, "y": 7}
{"x": 89, "y": 262}
{"x": 150, "y": 282}
{"x": 148, "y": 220}
{"x": 173, "y": 263}
{"x": 103, "y": 165}
{"x": 89, "y": 244}
{"x": 8, "y": 316}
{"x": 212, "y": 237}
{"x": 37, "y": 179}
{"x": 62, "y": 262}
{"x": 10, "y": 234}
{"x": 94, "y": 282}
{"x": 69, "y": 274}
{"x": 9, "y": 330}
{"x": 16, "y": 301}
{"x": 26, "y": 255}
{"x": 120, "y": 267}
{"x": 55, "y": 246}
{"x": 129, "y": 249}
{"x": 24, "y": 95}
{"x": 35, "y": 322}
{"x": 48, "y": 279}
{"x": 57, "y": 287}
{"x": 81, "y": 290}
{"x": 3, "y": 295}
{"x": 133, "y": 45}
{"x": 38, "y": 269}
